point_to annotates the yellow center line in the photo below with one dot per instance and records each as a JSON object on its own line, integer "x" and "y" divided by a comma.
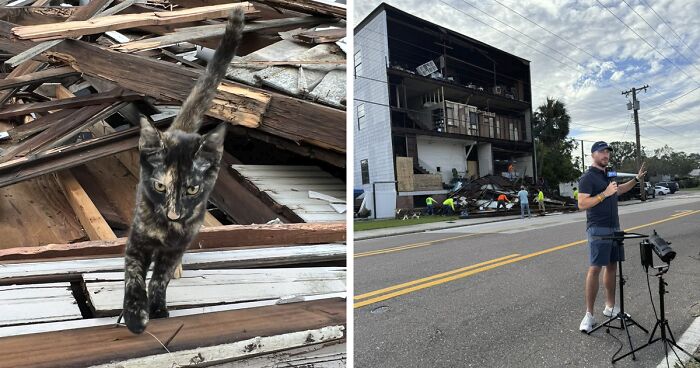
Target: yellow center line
{"x": 406, "y": 284}
{"x": 423, "y": 283}
{"x": 411, "y": 246}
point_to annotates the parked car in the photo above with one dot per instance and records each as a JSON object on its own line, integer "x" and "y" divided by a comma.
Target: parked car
{"x": 651, "y": 192}
{"x": 671, "y": 185}
{"x": 661, "y": 190}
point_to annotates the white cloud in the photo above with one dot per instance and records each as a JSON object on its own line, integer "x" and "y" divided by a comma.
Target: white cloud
{"x": 621, "y": 60}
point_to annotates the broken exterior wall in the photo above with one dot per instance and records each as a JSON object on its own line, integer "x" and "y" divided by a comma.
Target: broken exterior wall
{"x": 443, "y": 153}
{"x": 373, "y": 133}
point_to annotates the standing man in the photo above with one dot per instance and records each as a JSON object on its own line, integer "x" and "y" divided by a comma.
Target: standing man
{"x": 430, "y": 202}
{"x": 522, "y": 197}
{"x": 598, "y": 196}
{"x": 540, "y": 200}
{"x": 502, "y": 199}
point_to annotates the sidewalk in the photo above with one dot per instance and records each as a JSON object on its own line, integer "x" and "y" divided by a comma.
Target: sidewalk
{"x": 410, "y": 229}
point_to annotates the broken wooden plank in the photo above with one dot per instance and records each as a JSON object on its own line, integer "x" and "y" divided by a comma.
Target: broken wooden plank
{"x": 210, "y": 31}
{"x": 44, "y": 32}
{"x": 227, "y": 236}
{"x": 24, "y": 68}
{"x": 105, "y": 291}
{"x": 94, "y": 224}
{"x": 233, "y": 103}
{"x": 38, "y": 77}
{"x": 105, "y": 321}
{"x": 284, "y": 116}
{"x": 71, "y": 269}
{"x": 82, "y": 13}
{"x": 98, "y": 345}
{"x": 22, "y": 304}
{"x": 249, "y": 353}
{"x": 309, "y": 7}
{"x": 26, "y": 130}
{"x": 295, "y": 120}
{"x": 323, "y": 36}
{"x": 68, "y": 103}
{"x": 35, "y": 213}
{"x": 64, "y": 127}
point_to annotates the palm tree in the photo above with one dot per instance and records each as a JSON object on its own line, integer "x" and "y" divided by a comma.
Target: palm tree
{"x": 551, "y": 122}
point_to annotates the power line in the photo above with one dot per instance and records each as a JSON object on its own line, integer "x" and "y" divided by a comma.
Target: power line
{"x": 669, "y": 27}
{"x": 515, "y": 29}
{"x": 673, "y": 100}
{"x": 554, "y": 34}
{"x": 509, "y": 36}
{"x": 647, "y": 42}
{"x": 660, "y": 35}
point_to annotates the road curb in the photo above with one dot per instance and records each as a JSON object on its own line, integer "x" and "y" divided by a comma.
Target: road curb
{"x": 357, "y": 236}
{"x": 690, "y": 341}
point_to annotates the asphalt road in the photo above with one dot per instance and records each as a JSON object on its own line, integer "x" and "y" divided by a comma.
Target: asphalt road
{"x": 510, "y": 294}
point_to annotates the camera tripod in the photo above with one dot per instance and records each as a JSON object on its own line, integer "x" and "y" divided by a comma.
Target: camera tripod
{"x": 662, "y": 324}
{"x": 625, "y": 319}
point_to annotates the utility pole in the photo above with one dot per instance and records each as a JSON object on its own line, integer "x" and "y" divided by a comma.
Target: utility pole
{"x": 583, "y": 159}
{"x": 635, "y": 106}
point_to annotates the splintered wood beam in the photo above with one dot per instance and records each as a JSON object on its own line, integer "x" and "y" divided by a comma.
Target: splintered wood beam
{"x": 308, "y": 7}
{"x": 68, "y": 103}
{"x": 324, "y": 36}
{"x": 234, "y": 103}
{"x": 252, "y": 328}
{"x": 227, "y": 236}
{"x": 45, "y": 32}
{"x": 38, "y": 77}
{"x": 25, "y": 68}
{"x": 210, "y": 31}
{"x": 94, "y": 224}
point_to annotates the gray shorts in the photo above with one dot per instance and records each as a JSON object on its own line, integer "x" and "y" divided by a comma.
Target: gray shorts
{"x": 602, "y": 252}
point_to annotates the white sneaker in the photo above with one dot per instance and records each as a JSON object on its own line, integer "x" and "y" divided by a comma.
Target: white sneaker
{"x": 587, "y": 323}
{"x": 609, "y": 312}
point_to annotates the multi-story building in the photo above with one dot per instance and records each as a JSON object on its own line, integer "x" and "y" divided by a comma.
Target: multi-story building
{"x": 431, "y": 106}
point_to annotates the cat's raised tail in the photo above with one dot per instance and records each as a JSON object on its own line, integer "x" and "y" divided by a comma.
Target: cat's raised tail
{"x": 197, "y": 103}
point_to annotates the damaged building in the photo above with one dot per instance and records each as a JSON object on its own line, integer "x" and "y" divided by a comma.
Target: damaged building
{"x": 432, "y": 107}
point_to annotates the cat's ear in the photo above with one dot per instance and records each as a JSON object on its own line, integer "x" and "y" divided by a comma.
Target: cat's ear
{"x": 150, "y": 138}
{"x": 211, "y": 149}
{"x": 213, "y": 142}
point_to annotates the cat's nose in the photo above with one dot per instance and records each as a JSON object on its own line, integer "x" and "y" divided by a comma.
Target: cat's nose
{"x": 173, "y": 215}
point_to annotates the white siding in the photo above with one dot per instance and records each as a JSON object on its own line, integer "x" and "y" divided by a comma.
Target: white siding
{"x": 373, "y": 141}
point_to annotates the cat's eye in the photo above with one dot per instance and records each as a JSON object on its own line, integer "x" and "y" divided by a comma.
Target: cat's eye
{"x": 192, "y": 190}
{"x": 160, "y": 187}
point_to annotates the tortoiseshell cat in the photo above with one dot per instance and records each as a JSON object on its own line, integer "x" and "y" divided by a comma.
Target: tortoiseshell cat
{"x": 178, "y": 170}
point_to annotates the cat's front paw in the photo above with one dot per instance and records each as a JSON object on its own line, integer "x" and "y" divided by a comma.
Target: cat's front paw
{"x": 136, "y": 320}
{"x": 159, "y": 313}
{"x": 135, "y": 310}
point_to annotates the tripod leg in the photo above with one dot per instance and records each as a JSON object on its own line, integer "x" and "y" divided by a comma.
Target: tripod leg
{"x": 629, "y": 339}
{"x": 666, "y": 343}
{"x": 683, "y": 350}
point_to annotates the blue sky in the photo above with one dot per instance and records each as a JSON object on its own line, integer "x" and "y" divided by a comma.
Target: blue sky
{"x": 594, "y": 59}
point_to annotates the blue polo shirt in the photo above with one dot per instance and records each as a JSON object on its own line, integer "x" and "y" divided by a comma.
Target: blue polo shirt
{"x": 603, "y": 214}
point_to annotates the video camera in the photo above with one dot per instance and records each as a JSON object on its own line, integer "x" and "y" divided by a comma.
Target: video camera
{"x": 659, "y": 246}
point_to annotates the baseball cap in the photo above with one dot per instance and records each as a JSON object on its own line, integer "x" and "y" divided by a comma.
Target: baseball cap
{"x": 600, "y": 145}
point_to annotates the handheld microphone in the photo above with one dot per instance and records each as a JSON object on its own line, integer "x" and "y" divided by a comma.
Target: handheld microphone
{"x": 611, "y": 173}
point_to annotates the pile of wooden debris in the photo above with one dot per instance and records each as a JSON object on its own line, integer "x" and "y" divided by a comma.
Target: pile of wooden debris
{"x": 76, "y": 79}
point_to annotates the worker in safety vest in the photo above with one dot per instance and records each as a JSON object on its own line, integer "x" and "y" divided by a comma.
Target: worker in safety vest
{"x": 576, "y": 197}
{"x": 448, "y": 207}
{"x": 430, "y": 202}
{"x": 540, "y": 200}
{"x": 502, "y": 199}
